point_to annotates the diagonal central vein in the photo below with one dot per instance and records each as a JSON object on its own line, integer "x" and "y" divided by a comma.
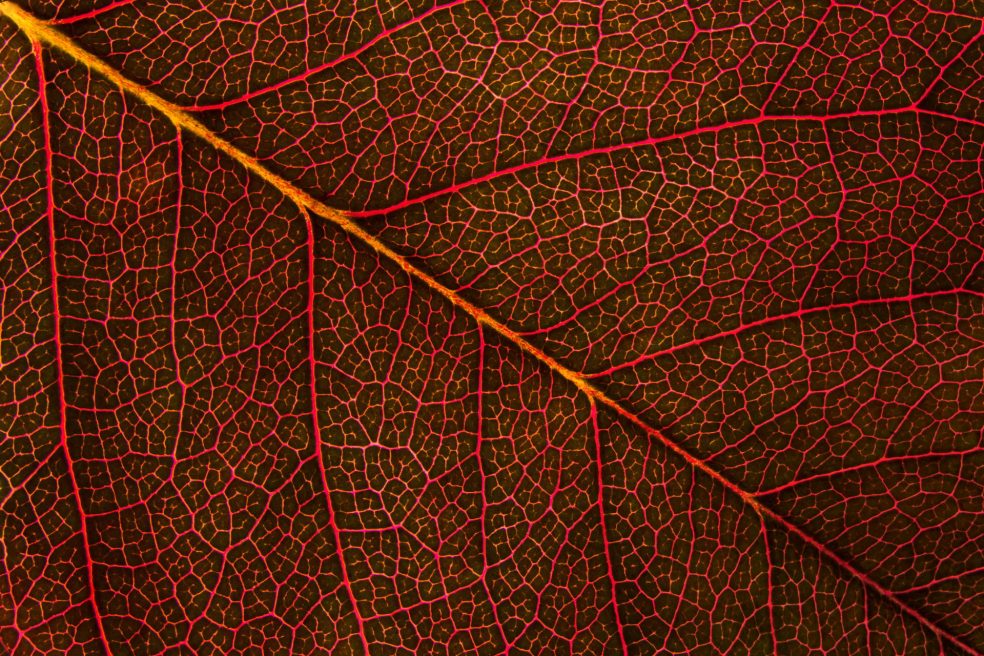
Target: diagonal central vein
{"x": 42, "y": 31}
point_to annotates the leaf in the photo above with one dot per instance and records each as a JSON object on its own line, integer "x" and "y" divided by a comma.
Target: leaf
{"x": 488, "y": 328}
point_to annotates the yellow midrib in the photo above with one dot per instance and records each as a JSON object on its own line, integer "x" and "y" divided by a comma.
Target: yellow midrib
{"x": 38, "y": 30}
{"x": 41, "y": 31}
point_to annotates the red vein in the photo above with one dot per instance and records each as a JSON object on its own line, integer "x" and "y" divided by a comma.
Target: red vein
{"x": 14, "y": 489}
{"x": 62, "y": 420}
{"x": 336, "y": 533}
{"x": 791, "y": 64}
{"x": 481, "y": 475}
{"x": 798, "y": 314}
{"x": 943, "y": 579}
{"x": 322, "y": 67}
{"x": 92, "y": 14}
{"x": 866, "y": 465}
{"x": 768, "y": 586}
{"x": 652, "y": 141}
{"x": 945, "y": 67}
{"x": 174, "y": 293}
{"x": 604, "y": 530}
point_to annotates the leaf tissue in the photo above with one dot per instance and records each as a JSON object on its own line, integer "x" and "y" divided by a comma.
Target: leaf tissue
{"x": 480, "y": 327}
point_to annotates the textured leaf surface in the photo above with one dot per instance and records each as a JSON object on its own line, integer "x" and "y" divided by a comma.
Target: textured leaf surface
{"x": 648, "y": 328}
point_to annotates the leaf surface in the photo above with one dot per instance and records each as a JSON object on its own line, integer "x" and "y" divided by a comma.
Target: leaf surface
{"x": 474, "y": 328}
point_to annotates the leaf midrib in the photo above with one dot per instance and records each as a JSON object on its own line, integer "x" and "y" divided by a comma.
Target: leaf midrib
{"x": 40, "y": 31}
